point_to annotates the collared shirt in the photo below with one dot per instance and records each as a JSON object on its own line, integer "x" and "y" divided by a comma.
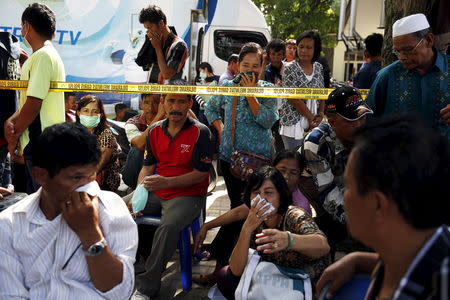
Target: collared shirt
{"x": 326, "y": 158}
{"x": 190, "y": 149}
{"x": 397, "y": 89}
{"x": 34, "y": 250}
{"x": 366, "y": 75}
{"x": 227, "y": 75}
{"x": 253, "y": 133}
{"x": 428, "y": 275}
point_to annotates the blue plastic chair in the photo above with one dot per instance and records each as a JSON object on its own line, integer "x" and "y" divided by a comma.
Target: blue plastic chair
{"x": 355, "y": 289}
{"x": 184, "y": 245}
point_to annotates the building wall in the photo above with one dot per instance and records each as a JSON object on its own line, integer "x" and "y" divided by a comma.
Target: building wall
{"x": 368, "y": 14}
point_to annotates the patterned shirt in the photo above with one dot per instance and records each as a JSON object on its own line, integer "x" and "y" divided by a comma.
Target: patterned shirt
{"x": 326, "y": 158}
{"x": 110, "y": 174}
{"x": 427, "y": 276}
{"x": 34, "y": 250}
{"x": 294, "y": 76}
{"x": 298, "y": 222}
{"x": 397, "y": 89}
{"x": 252, "y": 132}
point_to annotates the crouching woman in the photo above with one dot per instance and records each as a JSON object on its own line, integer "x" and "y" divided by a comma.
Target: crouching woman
{"x": 286, "y": 236}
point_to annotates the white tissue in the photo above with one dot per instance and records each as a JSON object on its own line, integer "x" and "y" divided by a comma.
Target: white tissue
{"x": 91, "y": 188}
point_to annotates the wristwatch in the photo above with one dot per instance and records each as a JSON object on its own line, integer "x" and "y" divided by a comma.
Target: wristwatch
{"x": 96, "y": 248}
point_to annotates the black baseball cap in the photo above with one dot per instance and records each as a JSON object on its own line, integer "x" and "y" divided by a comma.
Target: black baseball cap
{"x": 347, "y": 102}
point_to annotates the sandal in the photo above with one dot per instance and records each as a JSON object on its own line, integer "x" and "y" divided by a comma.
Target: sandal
{"x": 208, "y": 279}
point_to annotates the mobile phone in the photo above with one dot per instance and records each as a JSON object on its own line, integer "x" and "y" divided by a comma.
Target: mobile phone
{"x": 238, "y": 78}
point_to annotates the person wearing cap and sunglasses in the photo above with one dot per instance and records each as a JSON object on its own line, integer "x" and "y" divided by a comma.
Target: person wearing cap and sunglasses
{"x": 419, "y": 81}
{"x": 326, "y": 150}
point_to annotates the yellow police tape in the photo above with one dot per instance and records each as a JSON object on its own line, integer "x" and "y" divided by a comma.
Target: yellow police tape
{"x": 267, "y": 92}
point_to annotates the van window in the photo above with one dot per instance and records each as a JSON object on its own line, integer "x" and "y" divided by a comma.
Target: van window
{"x": 227, "y": 42}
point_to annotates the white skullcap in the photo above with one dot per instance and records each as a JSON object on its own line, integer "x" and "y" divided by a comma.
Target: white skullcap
{"x": 410, "y": 24}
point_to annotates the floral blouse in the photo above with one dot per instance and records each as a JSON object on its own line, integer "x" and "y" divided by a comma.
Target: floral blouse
{"x": 109, "y": 176}
{"x": 298, "y": 222}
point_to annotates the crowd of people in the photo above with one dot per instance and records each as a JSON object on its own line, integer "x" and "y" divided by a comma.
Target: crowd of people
{"x": 372, "y": 172}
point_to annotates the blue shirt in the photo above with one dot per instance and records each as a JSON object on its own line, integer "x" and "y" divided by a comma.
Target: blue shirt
{"x": 397, "y": 90}
{"x": 366, "y": 76}
{"x": 253, "y": 133}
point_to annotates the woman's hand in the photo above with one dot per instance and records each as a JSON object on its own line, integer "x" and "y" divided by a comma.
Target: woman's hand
{"x": 272, "y": 241}
{"x": 248, "y": 81}
{"x": 256, "y": 215}
{"x": 201, "y": 235}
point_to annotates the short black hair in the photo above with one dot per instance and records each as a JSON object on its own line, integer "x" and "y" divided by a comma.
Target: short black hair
{"x": 64, "y": 145}
{"x": 68, "y": 94}
{"x": 407, "y": 161}
{"x": 41, "y": 18}
{"x": 258, "y": 178}
{"x": 233, "y": 58}
{"x": 119, "y": 106}
{"x": 276, "y": 45}
{"x": 374, "y": 43}
{"x": 310, "y": 34}
{"x": 250, "y": 47}
{"x": 207, "y": 66}
{"x": 152, "y": 14}
{"x": 289, "y": 154}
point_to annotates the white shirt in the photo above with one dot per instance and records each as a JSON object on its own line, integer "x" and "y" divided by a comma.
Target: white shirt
{"x": 34, "y": 249}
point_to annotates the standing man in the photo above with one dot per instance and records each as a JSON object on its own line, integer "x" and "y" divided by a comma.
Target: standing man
{"x": 59, "y": 243}
{"x": 326, "y": 150}
{"x": 419, "y": 81}
{"x": 232, "y": 69}
{"x": 171, "y": 50}
{"x": 38, "y": 107}
{"x": 177, "y": 160}
{"x": 372, "y": 57}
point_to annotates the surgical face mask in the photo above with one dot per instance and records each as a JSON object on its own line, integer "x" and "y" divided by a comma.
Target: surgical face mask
{"x": 203, "y": 75}
{"x": 25, "y": 41}
{"x": 89, "y": 121}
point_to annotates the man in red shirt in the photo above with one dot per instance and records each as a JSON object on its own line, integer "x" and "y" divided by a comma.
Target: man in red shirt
{"x": 177, "y": 159}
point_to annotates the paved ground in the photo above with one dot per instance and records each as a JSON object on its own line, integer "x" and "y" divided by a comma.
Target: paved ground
{"x": 217, "y": 204}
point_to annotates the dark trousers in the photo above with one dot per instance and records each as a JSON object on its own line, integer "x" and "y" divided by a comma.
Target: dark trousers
{"x": 224, "y": 242}
{"x": 235, "y": 186}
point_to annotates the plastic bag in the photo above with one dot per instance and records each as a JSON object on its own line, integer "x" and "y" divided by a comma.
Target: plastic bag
{"x": 139, "y": 199}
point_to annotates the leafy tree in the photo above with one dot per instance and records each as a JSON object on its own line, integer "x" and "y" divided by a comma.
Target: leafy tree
{"x": 289, "y": 18}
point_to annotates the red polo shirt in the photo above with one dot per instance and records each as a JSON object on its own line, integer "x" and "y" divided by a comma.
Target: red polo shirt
{"x": 190, "y": 149}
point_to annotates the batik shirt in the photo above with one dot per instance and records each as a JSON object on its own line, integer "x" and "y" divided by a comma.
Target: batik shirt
{"x": 397, "y": 90}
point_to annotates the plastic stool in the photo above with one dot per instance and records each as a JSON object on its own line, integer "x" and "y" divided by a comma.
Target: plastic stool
{"x": 184, "y": 245}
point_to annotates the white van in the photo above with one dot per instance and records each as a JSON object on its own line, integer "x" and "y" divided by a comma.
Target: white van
{"x": 98, "y": 40}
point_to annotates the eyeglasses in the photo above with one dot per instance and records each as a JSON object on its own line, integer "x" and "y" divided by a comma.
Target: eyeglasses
{"x": 407, "y": 52}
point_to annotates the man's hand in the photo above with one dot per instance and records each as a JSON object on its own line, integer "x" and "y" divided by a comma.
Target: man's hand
{"x": 9, "y": 130}
{"x": 445, "y": 114}
{"x": 81, "y": 214}
{"x": 155, "y": 182}
{"x": 336, "y": 275}
{"x": 155, "y": 39}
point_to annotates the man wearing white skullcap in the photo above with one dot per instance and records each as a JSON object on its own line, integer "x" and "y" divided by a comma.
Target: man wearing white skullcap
{"x": 419, "y": 81}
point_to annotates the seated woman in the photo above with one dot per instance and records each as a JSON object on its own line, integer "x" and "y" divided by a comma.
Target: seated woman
{"x": 308, "y": 248}
{"x": 91, "y": 114}
{"x": 291, "y": 166}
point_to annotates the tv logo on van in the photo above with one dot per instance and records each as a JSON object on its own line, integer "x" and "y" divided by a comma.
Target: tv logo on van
{"x": 61, "y": 36}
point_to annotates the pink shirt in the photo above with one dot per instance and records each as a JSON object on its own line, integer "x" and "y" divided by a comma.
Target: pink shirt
{"x": 299, "y": 200}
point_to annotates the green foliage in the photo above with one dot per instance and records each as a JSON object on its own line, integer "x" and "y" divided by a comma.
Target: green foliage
{"x": 289, "y": 18}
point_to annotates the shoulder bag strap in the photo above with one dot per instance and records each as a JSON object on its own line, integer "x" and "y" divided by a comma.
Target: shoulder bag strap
{"x": 233, "y": 120}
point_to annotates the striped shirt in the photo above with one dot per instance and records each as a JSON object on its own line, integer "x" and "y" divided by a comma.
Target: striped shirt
{"x": 34, "y": 250}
